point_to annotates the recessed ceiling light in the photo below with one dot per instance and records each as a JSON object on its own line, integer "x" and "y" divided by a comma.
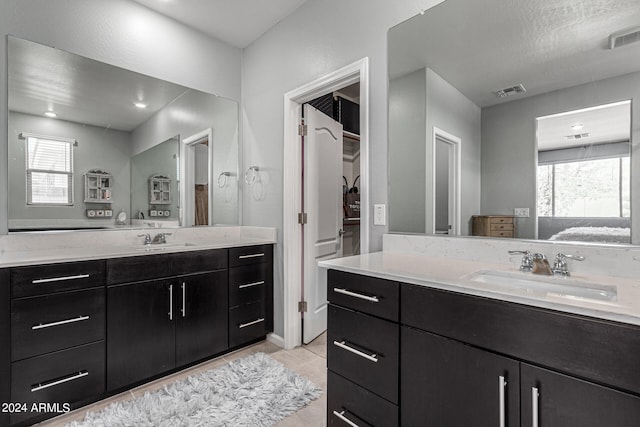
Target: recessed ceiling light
{"x": 140, "y": 104}
{"x": 577, "y": 126}
{"x": 50, "y": 114}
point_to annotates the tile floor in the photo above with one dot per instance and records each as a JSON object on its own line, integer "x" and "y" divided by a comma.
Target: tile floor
{"x": 309, "y": 360}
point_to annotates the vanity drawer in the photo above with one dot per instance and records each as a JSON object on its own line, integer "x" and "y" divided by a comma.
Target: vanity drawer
{"x": 364, "y": 349}
{"x": 248, "y": 284}
{"x": 138, "y": 268}
{"x": 250, "y": 255}
{"x": 500, "y": 220}
{"x": 246, "y": 323}
{"x": 53, "y": 322}
{"x": 598, "y": 350}
{"x": 65, "y": 376}
{"x": 198, "y": 261}
{"x": 50, "y": 278}
{"x": 501, "y": 233}
{"x": 501, "y": 227}
{"x": 370, "y": 295}
{"x": 356, "y": 404}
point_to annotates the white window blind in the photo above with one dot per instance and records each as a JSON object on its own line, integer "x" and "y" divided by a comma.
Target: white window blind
{"x": 49, "y": 171}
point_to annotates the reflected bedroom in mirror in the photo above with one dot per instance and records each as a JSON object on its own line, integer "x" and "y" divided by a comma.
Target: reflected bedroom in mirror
{"x": 520, "y": 127}
{"x": 94, "y": 146}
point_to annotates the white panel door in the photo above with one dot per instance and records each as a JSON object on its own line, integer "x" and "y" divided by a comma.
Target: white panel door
{"x": 322, "y": 200}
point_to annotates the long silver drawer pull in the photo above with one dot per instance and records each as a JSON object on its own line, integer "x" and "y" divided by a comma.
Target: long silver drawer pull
{"x": 244, "y": 325}
{"x": 343, "y": 345}
{"x": 61, "y": 322}
{"x": 534, "y": 406}
{"x": 502, "y": 384}
{"x": 170, "y": 302}
{"x": 251, "y": 256}
{"x": 42, "y": 386}
{"x": 248, "y": 285}
{"x": 345, "y": 419}
{"x": 184, "y": 299}
{"x": 356, "y": 295}
{"x": 60, "y": 279}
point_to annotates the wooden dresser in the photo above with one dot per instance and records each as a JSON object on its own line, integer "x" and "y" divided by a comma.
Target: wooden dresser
{"x": 493, "y": 226}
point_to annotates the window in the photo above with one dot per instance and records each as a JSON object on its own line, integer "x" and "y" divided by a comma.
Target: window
{"x": 590, "y": 188}
{"x": 49, "y": 171}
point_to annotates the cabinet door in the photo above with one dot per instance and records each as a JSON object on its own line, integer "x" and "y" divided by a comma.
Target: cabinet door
{"x": 447, "y": 383}
{"x": 551, "y": 399}
{"x": 140, "y": 331}
{"x": 201, "y": 328}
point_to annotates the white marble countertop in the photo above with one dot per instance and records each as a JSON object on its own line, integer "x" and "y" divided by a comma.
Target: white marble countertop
{"x": 31, "y": 249}
{"x": 455, "y": 274}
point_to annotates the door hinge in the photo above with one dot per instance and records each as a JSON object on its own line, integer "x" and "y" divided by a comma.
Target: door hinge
{"x": 302, "y": 130}
{"x": 302, "y": 218}
{"x": 302, "y": 307}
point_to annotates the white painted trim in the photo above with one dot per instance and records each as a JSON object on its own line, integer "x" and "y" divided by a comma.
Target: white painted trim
{"x": 292, "y": 236}
{"x": 456, "y": 143}
{"x": 187, "y": 184}
{"x": 275, "y": 339}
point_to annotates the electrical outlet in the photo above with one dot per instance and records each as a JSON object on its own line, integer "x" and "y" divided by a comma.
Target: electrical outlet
{"x": 379, "y": 215}
{"x": 521, "y": 212}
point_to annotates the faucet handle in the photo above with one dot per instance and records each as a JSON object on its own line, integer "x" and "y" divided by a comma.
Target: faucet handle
{"x": 527, "y": 260}
{"x": 147, "y": 238}
{"x": 560, "y": 263}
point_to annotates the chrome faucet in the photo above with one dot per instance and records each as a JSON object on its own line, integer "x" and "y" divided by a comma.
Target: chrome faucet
{"x": 160, "y": 238}
{"x": 527, "y": 260}
{"x": 147, "y": 238}
{"x": 560, "y": 264}
{"x": 541, "y": 265}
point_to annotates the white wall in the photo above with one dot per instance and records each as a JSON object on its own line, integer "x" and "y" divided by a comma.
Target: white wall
{"x": 318, "y": 38}
{"x": 121, "y": 33}
{"x": 509, "y": 149}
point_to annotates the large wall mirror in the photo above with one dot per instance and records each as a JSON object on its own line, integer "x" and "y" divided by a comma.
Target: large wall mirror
{"x": 94, "y": 146}
{"x": 524, "y": 111}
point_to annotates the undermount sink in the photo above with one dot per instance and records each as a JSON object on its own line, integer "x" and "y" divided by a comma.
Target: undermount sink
{"x": 548, "y": 285}
{"x": 163, "y": 246}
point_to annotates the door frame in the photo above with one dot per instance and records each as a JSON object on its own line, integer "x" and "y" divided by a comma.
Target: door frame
{"x": 455, "y": 144}
{"x": 187, "y": 167}
{"x": 292, "y": 186}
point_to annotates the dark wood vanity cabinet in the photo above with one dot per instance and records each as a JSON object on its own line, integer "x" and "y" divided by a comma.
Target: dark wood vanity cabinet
{"x": 162, "y": 323}
{"x": 467, "y": 360}
{"x": 77, "y": 332}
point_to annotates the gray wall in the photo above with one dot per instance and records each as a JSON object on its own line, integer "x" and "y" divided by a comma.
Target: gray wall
{"x": 98, "y": 148}
{"x": 122, "y": 33}
{"x": 449, "y": 110}
{"x": 509, "y": 153}
{"x": 407, "y": 152}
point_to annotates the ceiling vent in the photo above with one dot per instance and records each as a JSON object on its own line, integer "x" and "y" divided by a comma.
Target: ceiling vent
{"x": 503, "y": 93}
{"x": 577, "y": 136}
{"x": 624, "y": 37}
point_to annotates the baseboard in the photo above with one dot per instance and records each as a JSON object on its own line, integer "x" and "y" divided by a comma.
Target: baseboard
{"x": 276, "y": 339}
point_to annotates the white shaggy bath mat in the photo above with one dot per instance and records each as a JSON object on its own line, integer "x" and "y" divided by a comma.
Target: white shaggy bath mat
{"x": 252, "y": 391}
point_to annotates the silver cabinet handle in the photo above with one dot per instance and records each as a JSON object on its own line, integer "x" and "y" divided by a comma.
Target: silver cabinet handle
{"x": 184, "y": 299}
{"x": 244, "y": 325}
{"x": 356, "y": 295}
{"x": 344, "y": 346}
{"x": 502, "y": 384}
{"x": 251, "y": 256}
{"x": 248, "y": 285}
{"x": 170, "y": 302}
{"x": 61, "y": 322}
{"x": 72, "y": 377}
{"x": 345, "y": 419}
{"x": 535, "y": 393}
{"x": 60, "y": 279}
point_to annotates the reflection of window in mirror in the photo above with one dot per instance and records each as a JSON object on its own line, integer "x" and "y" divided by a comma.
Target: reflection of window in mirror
{"x": 49, "y": 171}
{"x": 584, "y": 174}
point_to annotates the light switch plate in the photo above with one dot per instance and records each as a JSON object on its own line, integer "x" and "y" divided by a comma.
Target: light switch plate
{"x": 521, "y": 212}
{"x": 379, "y": 215}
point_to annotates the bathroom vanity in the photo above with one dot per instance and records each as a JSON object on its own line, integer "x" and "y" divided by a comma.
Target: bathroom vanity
{"x": 80, "y": 330}
{"x": 415, "y": 340}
